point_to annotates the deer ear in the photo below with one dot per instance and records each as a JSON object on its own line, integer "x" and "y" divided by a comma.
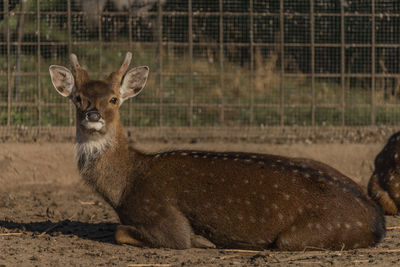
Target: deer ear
{"x": 133, "y": 82}
{"x": 62, "y": 79}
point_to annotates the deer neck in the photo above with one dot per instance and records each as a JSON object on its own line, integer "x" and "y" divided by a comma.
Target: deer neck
{"x": 104, "y": 164}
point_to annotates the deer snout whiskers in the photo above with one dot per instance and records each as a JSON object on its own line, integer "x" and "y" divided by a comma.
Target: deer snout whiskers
{"x": 93, "y": 125}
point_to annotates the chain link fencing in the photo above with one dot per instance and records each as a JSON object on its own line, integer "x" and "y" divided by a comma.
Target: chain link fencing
{"x": 219, "y": 64}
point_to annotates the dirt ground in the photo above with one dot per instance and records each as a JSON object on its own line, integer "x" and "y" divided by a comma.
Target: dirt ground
{"x": 48, "y": 216}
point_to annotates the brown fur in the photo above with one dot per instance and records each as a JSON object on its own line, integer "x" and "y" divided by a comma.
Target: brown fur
{"x": 183, "y": 199}
{"x": 384, "y": 185}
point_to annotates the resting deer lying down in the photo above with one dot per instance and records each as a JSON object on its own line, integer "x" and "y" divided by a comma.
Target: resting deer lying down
{"x": 183, "y": 199}
{"x": 384, "y": 185}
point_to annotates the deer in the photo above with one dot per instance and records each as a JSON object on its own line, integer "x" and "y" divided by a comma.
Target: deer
{"x": 384, "y": 184}
{"x": 183, "y": 199}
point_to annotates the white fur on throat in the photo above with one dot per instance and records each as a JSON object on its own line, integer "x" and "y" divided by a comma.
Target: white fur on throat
{"x": 88, "y": 150}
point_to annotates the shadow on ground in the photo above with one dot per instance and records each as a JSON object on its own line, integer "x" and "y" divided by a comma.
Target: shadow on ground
{"x": 101, "y": 232}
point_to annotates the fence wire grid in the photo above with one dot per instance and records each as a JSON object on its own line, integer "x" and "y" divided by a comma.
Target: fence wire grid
{"x": 230, "y": 63}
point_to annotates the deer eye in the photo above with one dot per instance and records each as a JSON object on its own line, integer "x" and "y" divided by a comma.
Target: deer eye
{"x": 78, "y": 99}
{"x": 113, "y": 100}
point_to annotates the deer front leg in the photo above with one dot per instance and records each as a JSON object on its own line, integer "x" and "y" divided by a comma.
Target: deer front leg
{"x": 198, "y": 241}
{"x": 125, "y": 235}
{"x": 377, "y": 193}
{"x": 167, "y": 228}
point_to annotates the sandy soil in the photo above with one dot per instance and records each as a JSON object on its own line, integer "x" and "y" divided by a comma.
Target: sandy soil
{"x": 48, "y": 217}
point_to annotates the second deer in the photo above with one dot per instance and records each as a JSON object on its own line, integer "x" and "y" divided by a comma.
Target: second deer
{"x": 384, "y": 185}
{"x": 183, "y": 199}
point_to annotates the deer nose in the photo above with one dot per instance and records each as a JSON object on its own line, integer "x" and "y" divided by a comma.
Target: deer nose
{"x": 93, "y": 116}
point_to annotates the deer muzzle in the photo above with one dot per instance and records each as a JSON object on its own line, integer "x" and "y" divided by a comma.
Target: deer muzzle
{"x": 93, "y": 116}
{"x": 93, "y": 120}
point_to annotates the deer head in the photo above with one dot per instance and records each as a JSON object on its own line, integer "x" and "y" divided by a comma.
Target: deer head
{"x": 97, "y": 101}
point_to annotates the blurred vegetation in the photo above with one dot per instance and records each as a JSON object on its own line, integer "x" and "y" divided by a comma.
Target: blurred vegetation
{"x": 232, "y": 93}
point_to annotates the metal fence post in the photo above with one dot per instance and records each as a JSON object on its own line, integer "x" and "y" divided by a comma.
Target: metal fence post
{"x": 221, "y": 60}
{"x": 100, "y": 39}
{"x": 7, "y": 32}
{"x": 160, "y": 61}
{"x": 282, "y": 55}
{"x": 38, "y": 63}
{"x": 373, "y": 55}
{"x": 130, "y": 103}
{"x": 190, "y": 24}
{"x": 312, "y": 42}
{"x": 69, "y": 15}
{"x": 251, "y": 63}
{"x": 342, "y": 61}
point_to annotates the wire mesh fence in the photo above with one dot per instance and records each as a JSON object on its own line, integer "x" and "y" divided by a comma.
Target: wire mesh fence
{"x": 213, "y": 62}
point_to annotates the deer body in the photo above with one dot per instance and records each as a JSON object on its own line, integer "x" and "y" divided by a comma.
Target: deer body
{"x": 183, "y": 199}
{"x": 384, "y": 185}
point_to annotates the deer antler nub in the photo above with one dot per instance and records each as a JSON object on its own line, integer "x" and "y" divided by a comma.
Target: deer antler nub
{"x": 116, "y": 76}
{"x": 74, "y": 61}
{"x": 126, "y": 63}
{"x": 81, "y": 76}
